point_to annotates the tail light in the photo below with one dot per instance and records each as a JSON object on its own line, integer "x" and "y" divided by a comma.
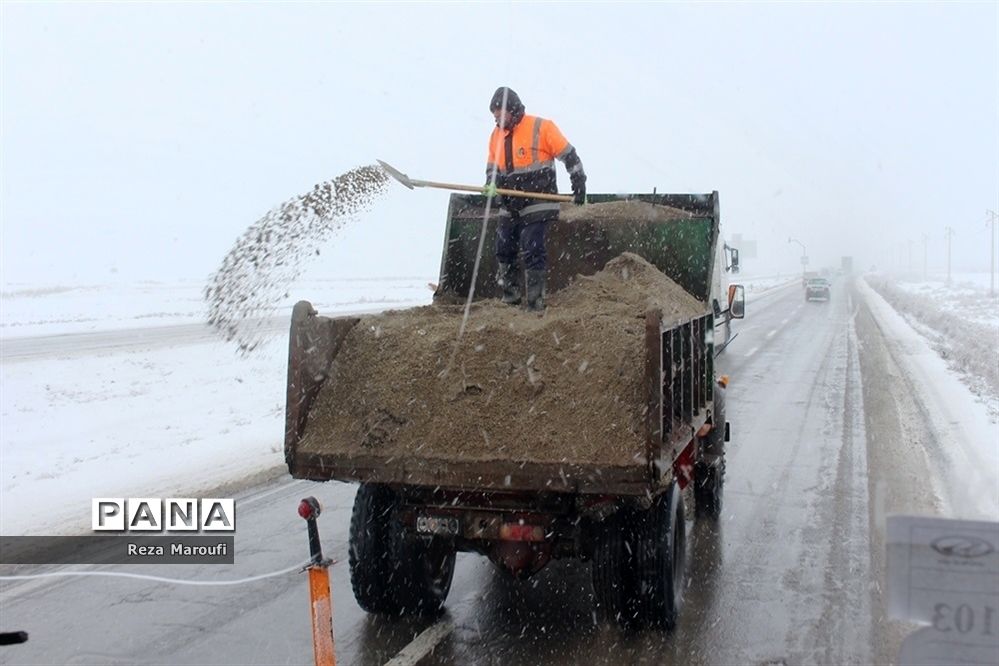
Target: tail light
{"x": 521, "y": 532}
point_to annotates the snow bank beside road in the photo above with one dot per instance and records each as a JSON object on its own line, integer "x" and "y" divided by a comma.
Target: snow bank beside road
{"x": 959, "y": 418}
{"x": 961, "y": 323}
{"x": 149, "y": 423}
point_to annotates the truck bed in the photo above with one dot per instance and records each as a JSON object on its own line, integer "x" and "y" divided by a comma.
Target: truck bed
{"x": 563, "y": 403}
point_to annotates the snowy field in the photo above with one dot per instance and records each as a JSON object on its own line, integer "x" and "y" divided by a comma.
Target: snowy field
{"x": 32, "y": 310}
{"x": 122, "y": 391}
{"x": 966, "y": 298}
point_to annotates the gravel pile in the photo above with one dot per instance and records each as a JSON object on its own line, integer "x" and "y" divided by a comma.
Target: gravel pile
{"x": 566, "y": 386}
{"x": 621, "y": 210}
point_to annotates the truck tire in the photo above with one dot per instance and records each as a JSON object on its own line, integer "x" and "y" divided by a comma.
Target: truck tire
{"x": 638, "y": 563}
{"x": 370, "y": 548}
{"x": 661, "y": 554}
{"x": 423, "y": 573}
{"x": 708, "y": 484}
{"x": 709, "y": 471}
{"x": 613, "y": 572}
{"x": 390, "y": 573}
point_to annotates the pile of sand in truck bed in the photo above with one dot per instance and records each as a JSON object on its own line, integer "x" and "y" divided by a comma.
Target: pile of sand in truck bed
{"x": 563, "y": 387}
{"x": 631, "y": 209}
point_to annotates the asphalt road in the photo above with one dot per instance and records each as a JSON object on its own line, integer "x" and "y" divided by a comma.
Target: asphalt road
{"x": 787, "y": 575}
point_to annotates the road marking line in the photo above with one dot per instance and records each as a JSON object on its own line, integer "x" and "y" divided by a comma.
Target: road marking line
{"x": 422, "y": 645}
{"x": 772, "y": 333}
{"x": 752, "y": 351}
{"x": 36, "y": 583}
{"x": 271, "y": 491}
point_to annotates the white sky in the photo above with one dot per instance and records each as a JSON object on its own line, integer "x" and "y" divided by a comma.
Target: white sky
{"x": 139, "y": 140}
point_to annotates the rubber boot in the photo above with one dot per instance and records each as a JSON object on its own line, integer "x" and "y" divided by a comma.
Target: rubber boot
{"x": 508, "y": 278}
{"x": 536, "y": 291}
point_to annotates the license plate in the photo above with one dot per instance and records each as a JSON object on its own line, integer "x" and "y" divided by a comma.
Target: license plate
{"x": 438, "y": 525}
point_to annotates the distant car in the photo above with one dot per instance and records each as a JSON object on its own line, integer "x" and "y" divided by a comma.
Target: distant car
{"x": 817, "y": 289}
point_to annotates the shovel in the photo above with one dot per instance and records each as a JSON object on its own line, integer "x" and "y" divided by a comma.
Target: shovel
{"x": 412, "y": 182}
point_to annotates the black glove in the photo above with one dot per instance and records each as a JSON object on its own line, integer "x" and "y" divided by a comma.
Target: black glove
{"x": 578, "y": 189}
{"x": 577, "y": 176}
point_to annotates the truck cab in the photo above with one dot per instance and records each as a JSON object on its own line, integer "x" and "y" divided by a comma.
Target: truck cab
{"x": 724, "y": 293}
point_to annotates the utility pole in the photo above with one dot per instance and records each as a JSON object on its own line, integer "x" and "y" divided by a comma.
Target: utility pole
{"x": 925, "y": 271}
{"x": 804, "y": 256}
{"x": 950, "y": 234}
{"x": 992, "y": 217}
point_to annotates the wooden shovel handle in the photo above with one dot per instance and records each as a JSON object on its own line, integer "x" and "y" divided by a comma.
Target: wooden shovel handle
{"x": 507, "y": 193}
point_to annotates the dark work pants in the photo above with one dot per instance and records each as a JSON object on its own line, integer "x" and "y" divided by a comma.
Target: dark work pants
{"x": 512, "y": 234}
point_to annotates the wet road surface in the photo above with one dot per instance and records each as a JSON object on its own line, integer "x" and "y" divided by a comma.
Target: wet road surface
{"x": 785, "y": 576}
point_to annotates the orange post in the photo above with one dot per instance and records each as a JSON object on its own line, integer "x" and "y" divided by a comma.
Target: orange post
{"x": 322, "y": 616}
{"x": 319, "y": 588}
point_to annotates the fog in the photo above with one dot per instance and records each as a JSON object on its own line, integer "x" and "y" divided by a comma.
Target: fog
{"x": 139, "y": 140}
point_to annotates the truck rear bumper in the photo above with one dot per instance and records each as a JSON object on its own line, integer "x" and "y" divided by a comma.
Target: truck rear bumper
{"x": 473, "y": 475}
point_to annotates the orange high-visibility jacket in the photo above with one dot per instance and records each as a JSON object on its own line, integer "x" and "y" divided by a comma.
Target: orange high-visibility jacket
{"x": 536, "y": 143}
{"x": 524, "y": 159}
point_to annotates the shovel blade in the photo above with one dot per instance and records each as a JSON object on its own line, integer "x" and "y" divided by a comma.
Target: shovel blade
{"x": 395, "y": 173}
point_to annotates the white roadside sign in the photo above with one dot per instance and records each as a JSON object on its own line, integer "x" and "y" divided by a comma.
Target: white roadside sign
{"x": 945, "y": 573}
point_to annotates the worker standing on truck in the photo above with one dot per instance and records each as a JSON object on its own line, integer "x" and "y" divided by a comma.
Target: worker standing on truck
{"x": 522, "y": 154}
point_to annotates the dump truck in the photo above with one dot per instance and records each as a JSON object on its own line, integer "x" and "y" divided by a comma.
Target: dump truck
{"x": 473, "y": 426}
